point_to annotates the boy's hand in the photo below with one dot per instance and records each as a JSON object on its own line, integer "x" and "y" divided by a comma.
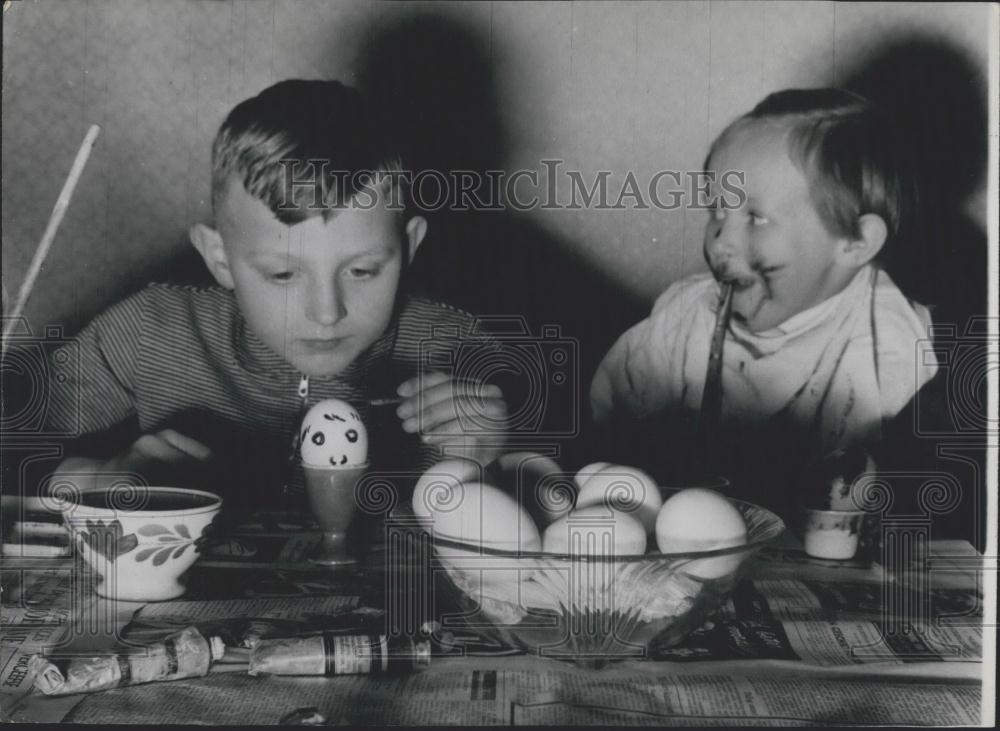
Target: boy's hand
{"x": 466, "y": 417}
{"x": 166, "y": 458}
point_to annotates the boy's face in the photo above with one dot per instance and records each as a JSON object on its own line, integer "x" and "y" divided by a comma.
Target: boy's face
{"x": 775, "y": 249}
{"x": 318, "y": 292}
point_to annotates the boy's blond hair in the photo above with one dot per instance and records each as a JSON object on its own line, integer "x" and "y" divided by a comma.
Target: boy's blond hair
{"x": 303, "y": 148}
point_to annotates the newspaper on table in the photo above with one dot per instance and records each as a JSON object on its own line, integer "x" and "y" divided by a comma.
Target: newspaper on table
{"x": 803, "y": 642}
{"x": 28, "y": 627}
{"x": 830, "y": 624}
{"x": 521, "y": 691}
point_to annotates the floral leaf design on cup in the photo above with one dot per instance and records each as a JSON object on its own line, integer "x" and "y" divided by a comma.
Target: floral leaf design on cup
{"x": 174, "y": 542}
{"x": 145, "y": 553}
{"x": 107, "y": 540}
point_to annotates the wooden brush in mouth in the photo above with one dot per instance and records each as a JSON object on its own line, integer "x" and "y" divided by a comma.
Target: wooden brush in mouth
{"x": 711, "y": 399}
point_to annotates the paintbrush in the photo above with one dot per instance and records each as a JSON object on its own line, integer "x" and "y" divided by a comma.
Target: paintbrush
{"x": 395, "y": 400}
{"x": 56, "y": 217}
{"x": 711, "y": 399}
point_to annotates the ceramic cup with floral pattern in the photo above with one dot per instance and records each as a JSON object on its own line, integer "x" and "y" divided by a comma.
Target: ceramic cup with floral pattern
{"x": 140, "y": 540}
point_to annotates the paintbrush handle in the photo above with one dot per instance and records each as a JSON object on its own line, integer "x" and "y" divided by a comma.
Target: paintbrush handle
{"x": 55, "y": 219}
{"x": 711, "y": 399}
{"x": 394, "y": 400}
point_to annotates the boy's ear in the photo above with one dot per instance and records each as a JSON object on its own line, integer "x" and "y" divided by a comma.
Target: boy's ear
{"x": 416, "y": 229}
{"x": 858, "y": 252}
{"x": 208, "y": 242}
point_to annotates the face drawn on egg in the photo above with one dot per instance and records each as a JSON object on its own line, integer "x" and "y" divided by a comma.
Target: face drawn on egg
{"x": 332, "y": 434}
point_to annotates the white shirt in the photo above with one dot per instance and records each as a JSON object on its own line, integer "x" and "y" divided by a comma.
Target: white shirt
{"x": 838, "y": 368}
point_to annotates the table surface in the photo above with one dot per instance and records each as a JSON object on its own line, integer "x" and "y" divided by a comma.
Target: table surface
{"x": 802, "y": 642}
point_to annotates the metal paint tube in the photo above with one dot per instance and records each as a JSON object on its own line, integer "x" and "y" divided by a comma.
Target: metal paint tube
{"x": 337, "y": 654}
{"x": 184, "y": 654}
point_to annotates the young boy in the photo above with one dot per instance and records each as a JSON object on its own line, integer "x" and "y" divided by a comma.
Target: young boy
{"x": 309, "y": 249}
{"x": 821, "y": 346}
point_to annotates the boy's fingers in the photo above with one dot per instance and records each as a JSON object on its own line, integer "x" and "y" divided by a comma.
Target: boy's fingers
{"x": 427, "y": 382}
{"x": 476, "y": 414}
{"x": 446, "y": 391}
{"x": 157, "y": 457}
{"x": 482, "y": 391}
{"x": 155, "y": 447}
{"x": 187, "y": 445}
{"x": 445, "y": 421}
{"x": 425, "y": 399}
{"x": 483, "y": 450}
{"x": 452, "y": 431}
{"x": 429, "y": 416}
{"x": 169, "y": 446}
{"x": 419, "y": 383}
{"x": 421, "y": 391}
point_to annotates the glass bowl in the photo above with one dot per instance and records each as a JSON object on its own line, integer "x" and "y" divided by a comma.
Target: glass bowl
{"x": 592, "y": 609}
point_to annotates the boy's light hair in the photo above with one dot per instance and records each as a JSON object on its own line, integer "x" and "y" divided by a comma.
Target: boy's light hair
{"x": 846, "y": 150}
{"x": 304, "y": 148}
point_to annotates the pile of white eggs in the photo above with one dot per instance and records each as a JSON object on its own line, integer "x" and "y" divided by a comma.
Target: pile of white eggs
{"x": 604, "y": 510}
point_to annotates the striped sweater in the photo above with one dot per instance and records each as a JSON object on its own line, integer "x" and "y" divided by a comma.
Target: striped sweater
{"x": 182, "y": 357}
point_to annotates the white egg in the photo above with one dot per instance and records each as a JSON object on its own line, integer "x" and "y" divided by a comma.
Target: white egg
{"x": 485, "y": 518}
{"x": 436, "y": 487}
{"x": 538, "y": 482}
{"x": 699, "y": 519}
{"x": 589, "y": 471}
{"x": 596, "y": 530}
{"x": 332, "y": 434}
{"x": 481, "y": 515}
{"x": 625, "y": 488}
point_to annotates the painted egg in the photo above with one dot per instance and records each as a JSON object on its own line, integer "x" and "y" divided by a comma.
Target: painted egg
{"x": 596, "y": 530}
{"x": 333, "y": 435}
{"x": 698, "y": 519}
{"x": 626, "y": 489}
{"x": 538, "y": 482}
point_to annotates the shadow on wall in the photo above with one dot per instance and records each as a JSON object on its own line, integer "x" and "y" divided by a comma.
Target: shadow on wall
{"x": 432, "y": 80}
{"x": 937, "y": 98}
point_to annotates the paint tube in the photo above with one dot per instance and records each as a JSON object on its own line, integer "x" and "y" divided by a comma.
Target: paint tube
{"x": 184, "y": 654}
{"x": 338, "y": 654}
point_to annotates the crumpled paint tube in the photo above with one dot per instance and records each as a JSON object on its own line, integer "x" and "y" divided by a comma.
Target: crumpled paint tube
{"x": 333, "y": 654}
{"x": 184, "y": 654}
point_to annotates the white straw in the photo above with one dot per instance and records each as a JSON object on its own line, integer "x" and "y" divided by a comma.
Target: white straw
{"x": 58, "y": 211}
